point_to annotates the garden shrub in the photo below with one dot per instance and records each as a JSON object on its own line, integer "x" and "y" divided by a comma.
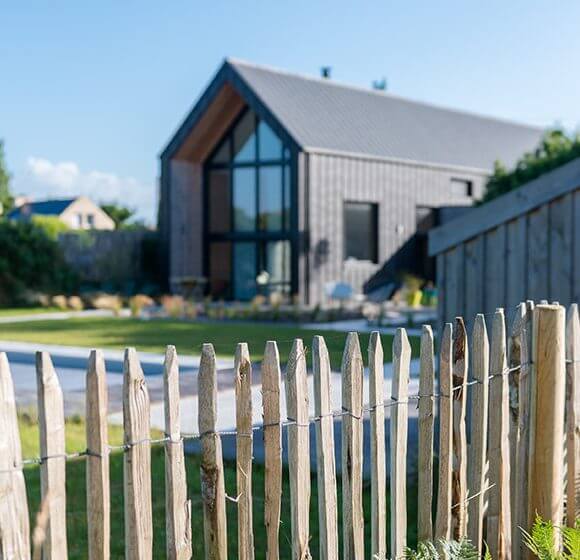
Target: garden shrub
{"x": 31, "y": 261}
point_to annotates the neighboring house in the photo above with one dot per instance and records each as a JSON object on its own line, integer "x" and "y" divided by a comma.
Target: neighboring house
{"x": 522, "y": 245}
{"x": 282, "y": 182}
{"x": 77, "y": 213}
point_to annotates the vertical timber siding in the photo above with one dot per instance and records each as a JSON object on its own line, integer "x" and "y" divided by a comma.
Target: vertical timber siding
{"x": 186, "y": 225}
{"x": 533, "y": 256}
{"x": 397, "y": 187}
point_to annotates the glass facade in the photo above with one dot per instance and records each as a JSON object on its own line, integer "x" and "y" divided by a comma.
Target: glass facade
{"x": 248, "y": 207}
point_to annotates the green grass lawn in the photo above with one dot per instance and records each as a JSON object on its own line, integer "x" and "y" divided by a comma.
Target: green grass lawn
{"x": 76, "y": 499}
{"x": 153, "y": 336}
{"x": 20, "y": 311}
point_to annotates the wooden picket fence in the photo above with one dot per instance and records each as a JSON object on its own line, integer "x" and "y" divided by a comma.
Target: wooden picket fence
{"x": 522, "y": 455}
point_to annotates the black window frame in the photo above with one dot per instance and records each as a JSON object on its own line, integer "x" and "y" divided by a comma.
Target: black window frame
{"x": 467, "y": 183}
{"x": 287, "y": 163}
{"x": 374, "y": 208}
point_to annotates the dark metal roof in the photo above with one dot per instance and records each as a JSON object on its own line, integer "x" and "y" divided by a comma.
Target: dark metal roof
{"x": 322, "y": 115}
{"x": 42, "y": 207}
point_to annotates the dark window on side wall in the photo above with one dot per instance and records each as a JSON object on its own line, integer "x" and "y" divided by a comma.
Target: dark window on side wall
{"x": 361, "y": 231}
{"x": 461, "y": 187}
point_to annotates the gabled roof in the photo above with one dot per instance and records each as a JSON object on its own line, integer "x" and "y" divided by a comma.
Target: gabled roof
{"x": 322, "y": 115}
{"x": 540, "y": 191}
{"x": 41, "y": 207}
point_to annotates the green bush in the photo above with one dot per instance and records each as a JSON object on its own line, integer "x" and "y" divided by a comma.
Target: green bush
{"x": 31, "y": 261}
{"x": 51, "y": 225}
{"x": 556, "y": 149}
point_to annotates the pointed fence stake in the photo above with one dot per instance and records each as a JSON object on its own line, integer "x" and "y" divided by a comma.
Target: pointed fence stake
{"x": 244, "y": 439}
{"x": 426, "y": 427}
{"x": 378, "y": 468}
{"x": 14, "y": 524}
{"x": 398, "y": 443}
{"x": 459, "y": 480}
{"x": 298, "y": 450}
{"x": 443, "y": 518}
{"x": 213, "y": 492}
{"x": 137, "y": 461}
{"x": 177, "y": 506}
{"x": 52, "y": 447}
{"x": 352, "y": 450}
{"x": 325, "y": 465}
{"x": 479, "y": 419}
{"x": 271, "y": 383}
{"x": 98, "y": 487}
{"x": 498, "y": 513}
{"x": 573, "y": 410}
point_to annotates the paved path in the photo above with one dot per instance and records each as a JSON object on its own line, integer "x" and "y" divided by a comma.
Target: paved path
{"x": 63, "y": 315}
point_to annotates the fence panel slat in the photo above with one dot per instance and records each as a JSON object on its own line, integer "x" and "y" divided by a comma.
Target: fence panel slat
{"x": 244, "y": 439}
{"x": 546, "y": 492}
{"x": 352, "y": 450}
{"x": 498, "y": 514}
{"x": 52, "y": 448}
{"x": 298, "y": 450}
{"x": 459, "y": 479}
{"x": 443, "y": 517}
{"x": 270, "y": 370}
{"x": 177, "y": 506}
{"x": 14, "y": 524}
{"x": 137, "y": 461}
{"x": 514, "y": 353}
{"x": 378, "y": 468}
{"x": 573, "y": 410}
{"x": 522, "y": 459}
{"x": 98, "y": 488}
{"x": 398, "y": 442}
{"x": 426, "y": 426}
{"x": 213, "y": 492}
{"x": 325, "y": 462}
{"x": 479, "y": 416}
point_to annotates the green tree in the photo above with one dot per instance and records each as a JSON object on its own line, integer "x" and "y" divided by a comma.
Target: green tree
{"x": 555, "y": 149}
{"x": 6, "y": 199}
{"x": 119, "y": 214}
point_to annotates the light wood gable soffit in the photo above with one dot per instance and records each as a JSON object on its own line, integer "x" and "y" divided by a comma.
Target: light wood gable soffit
{"x": 213, "y": 114}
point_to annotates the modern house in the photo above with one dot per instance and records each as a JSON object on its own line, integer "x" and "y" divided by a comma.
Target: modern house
{"x": 522, "y": 245}
{"x": 281, "y": 182}
{"x": 77, "y": 213}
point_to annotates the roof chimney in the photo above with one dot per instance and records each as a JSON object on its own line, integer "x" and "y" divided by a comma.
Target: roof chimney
{"x": 325, "y": 72}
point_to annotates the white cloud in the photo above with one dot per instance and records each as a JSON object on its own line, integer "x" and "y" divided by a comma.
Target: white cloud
{"x": 45, "y": 179}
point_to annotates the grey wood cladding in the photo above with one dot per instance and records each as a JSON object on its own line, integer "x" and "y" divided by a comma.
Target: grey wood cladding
{"x": 534, "y": 256}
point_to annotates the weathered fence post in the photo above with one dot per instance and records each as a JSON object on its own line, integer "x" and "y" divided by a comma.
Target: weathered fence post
{"x": 479, "y": 416}
{"x": 325, "y": 462}
{"x": 298, "y": 450}
{"x": 244, "y": 439}
{"x": 14, "y": 524}
{"x": 459, "y": 480}
{"x": 98, "y": 489}
{"x": 177, "y": 506}
{"x": 514, "y": 352}
{"x": 573, "y": 411}
{"x": 426, "y": 425}
{"x": 52, "y": 451}
{"x": 398, "y": 442}
{"x": 213, "y": 492}
{"x": 352, "y": 450}
{"x": 137, "y": 461}
{"x": 498, "y": 513}
{"x": 378, "y": 469}
{"x": 522, "y": 461}
{"x": 271, "y": 383}
{"x": 546, "y": 492}
{"x": 443, "y": 517}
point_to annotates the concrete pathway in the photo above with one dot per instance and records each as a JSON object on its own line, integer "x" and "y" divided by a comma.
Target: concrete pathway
{"x": 62, "y": 315}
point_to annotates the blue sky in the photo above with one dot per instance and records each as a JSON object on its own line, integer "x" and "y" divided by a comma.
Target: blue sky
{"x": 91, "y": 91}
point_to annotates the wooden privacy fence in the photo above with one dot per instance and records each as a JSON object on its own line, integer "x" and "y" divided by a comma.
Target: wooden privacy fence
{"x": 520, "y": 456}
